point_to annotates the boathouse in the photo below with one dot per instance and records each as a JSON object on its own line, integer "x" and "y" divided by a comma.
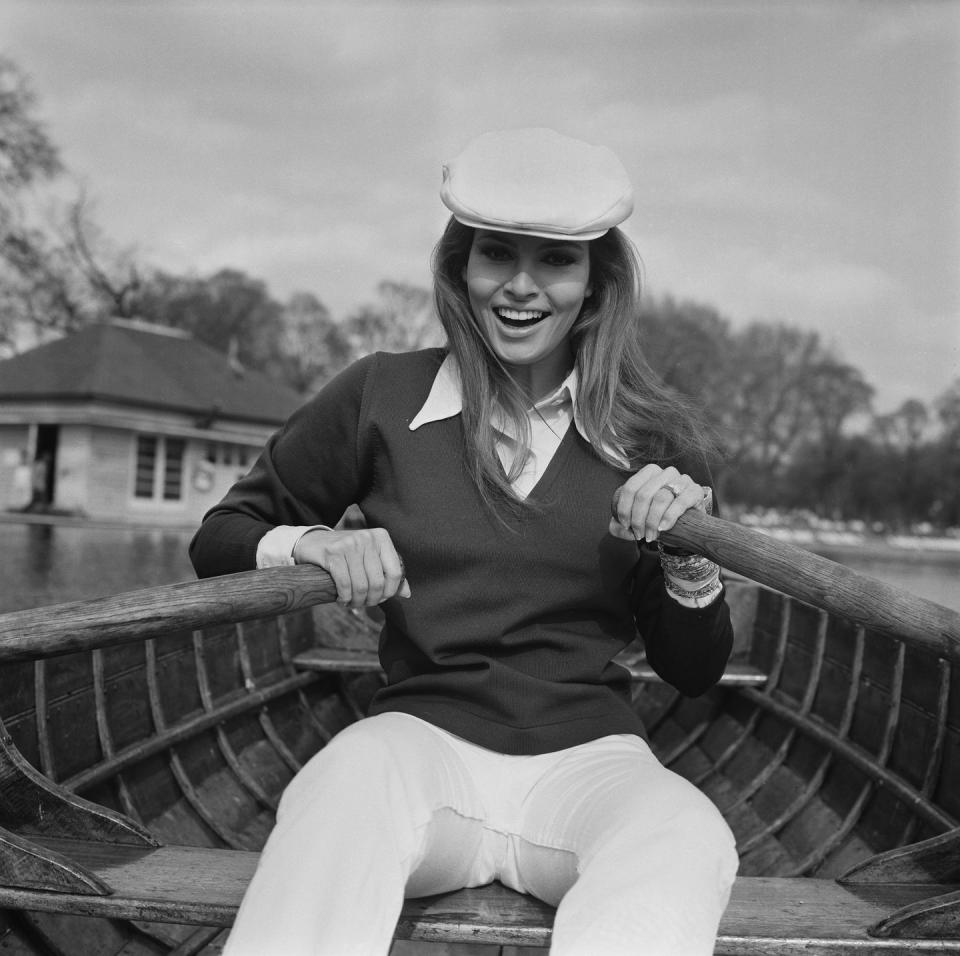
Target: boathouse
{"x": 130, "y": 422}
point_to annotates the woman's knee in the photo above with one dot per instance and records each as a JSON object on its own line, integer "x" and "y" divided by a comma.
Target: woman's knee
{"x": 658, "y": 821}
{"x": 701, "y": 831}
{"x": 693, "y": 845}
{"x": 689, "y": 816}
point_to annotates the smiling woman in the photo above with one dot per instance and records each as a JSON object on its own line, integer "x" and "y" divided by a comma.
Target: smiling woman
{"x": 513, "y": 485}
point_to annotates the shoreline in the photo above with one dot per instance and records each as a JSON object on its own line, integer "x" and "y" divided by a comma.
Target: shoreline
{"x": 881, "y": 551}
{"x": 95, "y": 524}
{"x": 893, "y": 547}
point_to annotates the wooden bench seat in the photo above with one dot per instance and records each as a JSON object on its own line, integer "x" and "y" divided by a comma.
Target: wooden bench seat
{"x": 346, "y": 660}
{"x": 204, "y": 886}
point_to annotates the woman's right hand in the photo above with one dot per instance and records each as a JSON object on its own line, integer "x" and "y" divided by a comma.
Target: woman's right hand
{"x": 363, "y": 563}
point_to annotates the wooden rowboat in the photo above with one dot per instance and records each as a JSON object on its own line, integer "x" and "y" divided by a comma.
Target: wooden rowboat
{"x": 145, "y": 739}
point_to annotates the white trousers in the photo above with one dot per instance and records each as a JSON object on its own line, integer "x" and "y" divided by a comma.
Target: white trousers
{"x": 634, "y": 856}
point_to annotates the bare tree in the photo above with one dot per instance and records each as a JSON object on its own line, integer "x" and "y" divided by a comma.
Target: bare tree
{"x": 27, "y": 156}
{"x": 903, "y": 428}
{"x": 313, "y": 347}
{"x": 401, "y": 321}
{"x": 57, "y": 272}
{"x": 26, "y": 152}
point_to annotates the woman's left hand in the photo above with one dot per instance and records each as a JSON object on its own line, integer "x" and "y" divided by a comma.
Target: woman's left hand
{"x": 651, "y": 501}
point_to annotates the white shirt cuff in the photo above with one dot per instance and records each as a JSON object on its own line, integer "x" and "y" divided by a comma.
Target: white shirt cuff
{"x": 275, "y": 549}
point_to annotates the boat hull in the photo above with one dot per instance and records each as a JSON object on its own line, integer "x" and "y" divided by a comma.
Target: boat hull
{"x": 848, "y": 746}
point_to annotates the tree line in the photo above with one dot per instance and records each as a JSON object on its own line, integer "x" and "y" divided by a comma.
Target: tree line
{"x": 794, "y": 422}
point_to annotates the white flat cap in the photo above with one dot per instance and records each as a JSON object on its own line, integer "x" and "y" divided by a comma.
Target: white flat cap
{"x": 539, "y": 183}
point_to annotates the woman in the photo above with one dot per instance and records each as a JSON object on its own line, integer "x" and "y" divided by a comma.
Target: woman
{"x": 513, "y": 486}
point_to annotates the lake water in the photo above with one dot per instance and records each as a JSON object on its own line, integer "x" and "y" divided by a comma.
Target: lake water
{"x": 48, "y": 564}
{"x": 933, "y": 576}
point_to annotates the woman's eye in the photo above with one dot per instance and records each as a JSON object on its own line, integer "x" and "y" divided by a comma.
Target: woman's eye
{"x": 495, "y": 253}
{"x": 559, "y": 259}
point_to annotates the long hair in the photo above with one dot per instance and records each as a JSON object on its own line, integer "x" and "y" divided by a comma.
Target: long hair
{"x": 622, "y": 405}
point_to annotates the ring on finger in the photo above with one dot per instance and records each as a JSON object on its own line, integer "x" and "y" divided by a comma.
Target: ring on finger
{"x": 674, "y": 490}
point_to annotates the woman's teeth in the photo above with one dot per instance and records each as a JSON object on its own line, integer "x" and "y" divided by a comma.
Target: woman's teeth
{"x": 518, "y": 318}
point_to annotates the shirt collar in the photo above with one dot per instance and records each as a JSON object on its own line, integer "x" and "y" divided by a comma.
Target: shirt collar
{"x": 446, "y": 396}
{"x": 446, "y": 401}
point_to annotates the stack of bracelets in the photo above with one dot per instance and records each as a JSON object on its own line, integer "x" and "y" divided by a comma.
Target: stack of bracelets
{"x": 692, "y": 577}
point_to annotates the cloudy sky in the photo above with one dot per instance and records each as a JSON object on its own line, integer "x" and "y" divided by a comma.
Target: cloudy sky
{"x": 792, "y": 161}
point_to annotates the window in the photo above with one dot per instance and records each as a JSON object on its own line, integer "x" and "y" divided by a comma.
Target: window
{"x": 173, "y": 470}
{"x": 159, "y": 469}
{"x": 146, "y": 465}
{"x": 229, "y": 456}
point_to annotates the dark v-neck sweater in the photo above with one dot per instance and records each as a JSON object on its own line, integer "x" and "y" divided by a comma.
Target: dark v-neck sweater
{"x": 508, "y": 637}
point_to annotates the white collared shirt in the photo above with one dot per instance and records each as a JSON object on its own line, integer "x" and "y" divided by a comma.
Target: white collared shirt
{"x": 549, "y": 420}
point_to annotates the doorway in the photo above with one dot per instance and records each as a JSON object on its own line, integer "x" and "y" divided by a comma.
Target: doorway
{"x": 44, "y": 468}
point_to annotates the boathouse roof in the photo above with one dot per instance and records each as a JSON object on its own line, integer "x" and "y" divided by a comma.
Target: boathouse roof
{"x": 138, "y": 363}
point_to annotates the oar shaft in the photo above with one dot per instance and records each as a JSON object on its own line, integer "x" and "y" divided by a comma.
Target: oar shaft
{"x": 819, "y": 581}
{"x": 136, "y": 616}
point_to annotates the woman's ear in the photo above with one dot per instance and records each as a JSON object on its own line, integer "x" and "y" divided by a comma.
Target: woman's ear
{"x": 463, "y": 275}
{"x": 589, "y": 291}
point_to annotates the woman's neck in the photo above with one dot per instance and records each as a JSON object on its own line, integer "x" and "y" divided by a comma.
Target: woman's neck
{"x": 538, "y": 380}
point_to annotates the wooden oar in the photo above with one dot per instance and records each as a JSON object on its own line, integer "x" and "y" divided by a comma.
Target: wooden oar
{"x": 140, "y": 615}
{"x": 136, "y": 616}
{"x": 819, "y": 581}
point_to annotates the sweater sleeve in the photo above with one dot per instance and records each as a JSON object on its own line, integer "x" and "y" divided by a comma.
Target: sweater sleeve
{"x": 687, "y": 646}
{"x": 309, "y": 473}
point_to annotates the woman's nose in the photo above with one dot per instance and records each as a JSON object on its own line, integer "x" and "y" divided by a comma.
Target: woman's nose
{"x": 521, "y": 285}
